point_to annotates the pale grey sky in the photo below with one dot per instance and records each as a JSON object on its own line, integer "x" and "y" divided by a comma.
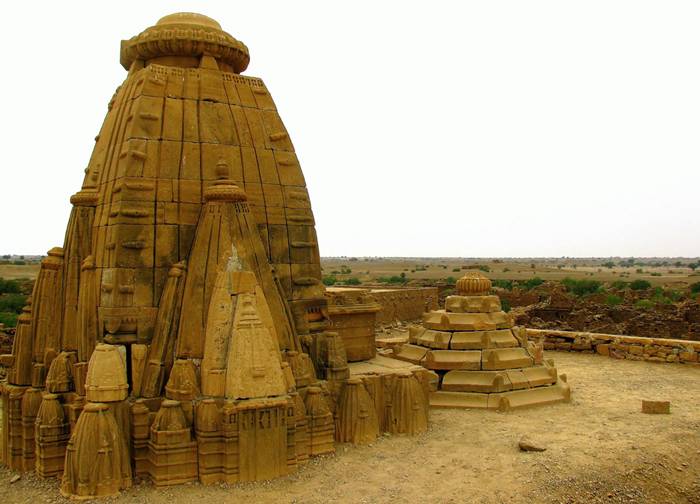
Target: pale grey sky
{"x": 510, "y": 128}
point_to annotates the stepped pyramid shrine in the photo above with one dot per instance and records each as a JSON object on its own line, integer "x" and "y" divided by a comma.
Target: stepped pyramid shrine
{"x": 181, "y": 333}
{"x": 482, "y": 360}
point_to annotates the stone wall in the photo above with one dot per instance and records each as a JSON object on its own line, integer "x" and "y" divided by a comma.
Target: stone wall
{"x": 404, "y": 304}
{"x": 619, "y": 347}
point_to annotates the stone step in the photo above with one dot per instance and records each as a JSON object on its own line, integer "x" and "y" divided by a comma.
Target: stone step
{"x": 452, "y": 359}
{"x": 505, "y": 358}
{"x": 476, "y": 381}
{"x": 477, "y": 340}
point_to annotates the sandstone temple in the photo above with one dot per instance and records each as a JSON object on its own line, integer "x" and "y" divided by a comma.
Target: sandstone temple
{"x": 182, "y": 332}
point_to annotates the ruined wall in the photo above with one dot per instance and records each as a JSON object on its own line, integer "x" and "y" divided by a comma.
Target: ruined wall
{"x": 404, "y": 303}
{"x": 617, "y": 346}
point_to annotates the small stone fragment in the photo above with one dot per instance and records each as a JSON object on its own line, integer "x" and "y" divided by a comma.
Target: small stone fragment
{"x": 15, "y": 478}
{"x": 527, "y": 445}
{"x": 656, "y": 407}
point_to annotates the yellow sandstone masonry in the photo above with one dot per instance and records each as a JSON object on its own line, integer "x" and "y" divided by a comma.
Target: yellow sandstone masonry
{"x": 183, "y": 330}
{"x": 481, "y": 359}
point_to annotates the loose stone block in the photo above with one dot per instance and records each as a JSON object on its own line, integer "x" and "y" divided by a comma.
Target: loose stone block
{"x": 656, "y": 407}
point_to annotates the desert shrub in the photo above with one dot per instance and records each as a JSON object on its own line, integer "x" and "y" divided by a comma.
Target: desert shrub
{"x": 613, "y": 300}
{"x": 640, "y": 285}
{"x": 9, "y": 286}
{"x": 674, "y": 295}
{"x": 451, "y": 280}
{"x": 640, "y": 270}
{"x": 456, "y": 270}
{"x": 645, "y": 304}
{"x": 506, "y": 270}
{"x": 329, "y": 280}
{"x": 19, "y": 263}
{"x": 695, "y": 288}
{"x": 9, "y": 319}
{"x": 12, "y": 303}
{"x": 581, "y": 287}
{"x": 619, "y": 285}
{"x": 531, "y": 283}
{"x": 484, "y": 268}
{"x": 394, "y": 279}
{"x": 353, "y": 281}
{"x": 609, "y": 264}
{"x": 503, "y": 284}
{"x": 656, "y": 274}
{"x": 693, "y": 266}
{"x": 505, "y": 305}
{"x": 335, "y": 272}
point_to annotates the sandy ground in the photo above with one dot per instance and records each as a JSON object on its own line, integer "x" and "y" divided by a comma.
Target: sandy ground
{"x": 600, "y": 448}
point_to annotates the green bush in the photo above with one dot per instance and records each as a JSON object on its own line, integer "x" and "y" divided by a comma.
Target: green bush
{"x": 484, "y": 268}
{"x": 645, "y": 304}
{"x": 505, "y": 305}
{"x": 531, "y": 283}
{"x": 640, "y": 285}
{"x": 674, "y": 295}
{"x": 619, "y": 285}
{"x": 9, "y": 319}
{"x": 581, "y": 287}
{"x": 329, "y": 280}
{"x": 12, "y": 302}
{"x": 695, "y": 288}
{"x": 609, "y": 264}
{"x": 353, "y": 281}
{"x": 455, "y": 270}
{"x": 451, "y": 280}
{"x": 503, "y": 284}
{"x": 9, "y": 286}
{"x": 392, "y": 279}
{"x": 613, "y": 300}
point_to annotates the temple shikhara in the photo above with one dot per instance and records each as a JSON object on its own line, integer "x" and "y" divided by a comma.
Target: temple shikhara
{"x": 182, "y": 331}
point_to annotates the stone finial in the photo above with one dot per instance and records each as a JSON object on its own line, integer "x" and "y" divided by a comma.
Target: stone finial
{"x": 473, "y": 283}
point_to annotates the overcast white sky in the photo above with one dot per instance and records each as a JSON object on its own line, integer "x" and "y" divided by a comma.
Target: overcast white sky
{"x": 509, "y": 128}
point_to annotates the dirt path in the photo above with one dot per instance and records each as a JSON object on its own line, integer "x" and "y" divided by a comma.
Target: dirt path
{"x": 600, "y": 448}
